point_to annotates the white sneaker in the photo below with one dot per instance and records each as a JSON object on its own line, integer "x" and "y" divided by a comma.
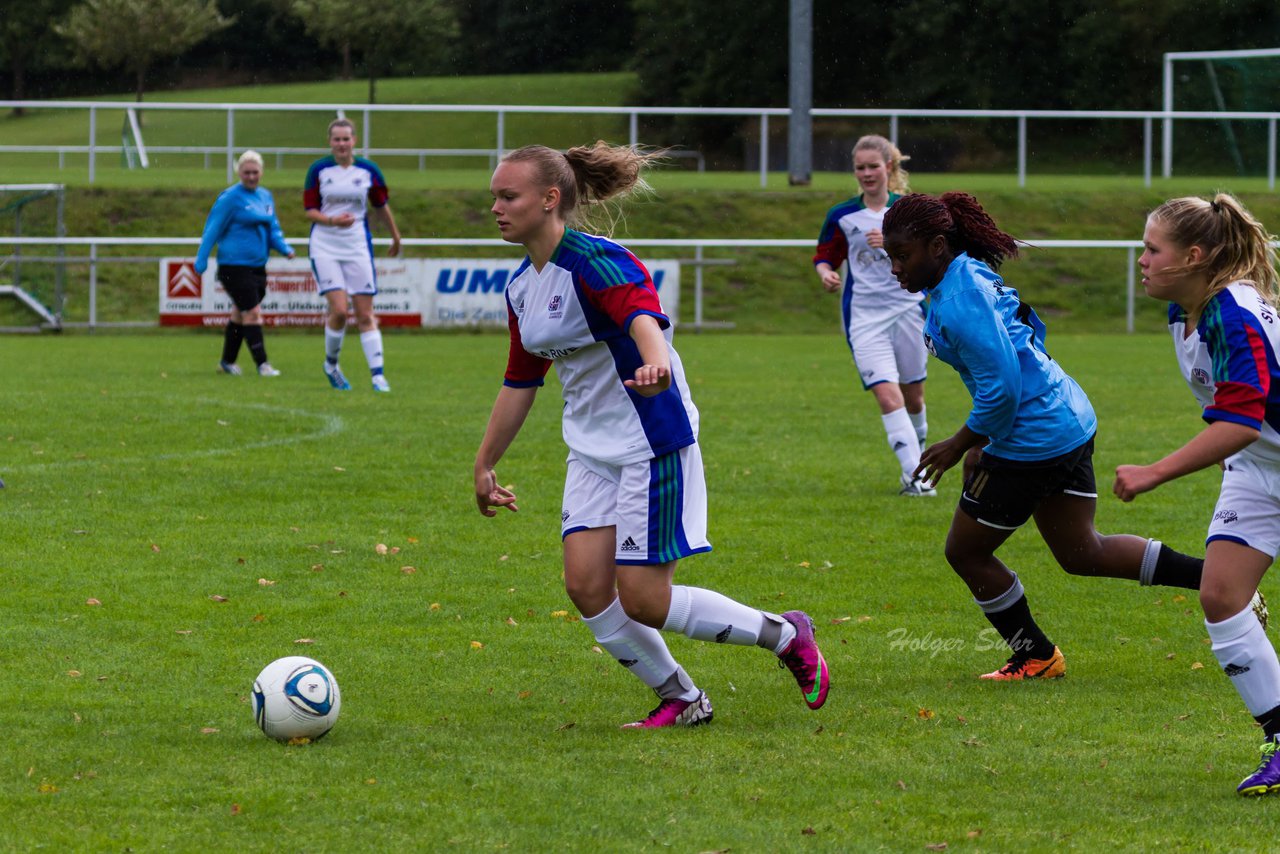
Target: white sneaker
{"x": 229, "y": 368}
{"x": 915, "y": 487}
{"x": 265, "y": 370}
{"x": 380, "y": 383}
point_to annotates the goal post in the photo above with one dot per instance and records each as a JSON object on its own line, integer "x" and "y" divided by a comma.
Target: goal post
{"x": 132, "y": 149}
{"x": 36, "y": 283}
{"x": 1208, "y": 57}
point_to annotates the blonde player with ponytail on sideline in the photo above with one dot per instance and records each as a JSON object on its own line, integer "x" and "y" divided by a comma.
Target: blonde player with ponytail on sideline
{"x": 634, "y": 497}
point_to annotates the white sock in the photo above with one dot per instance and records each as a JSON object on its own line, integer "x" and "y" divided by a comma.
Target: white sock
{"x": 902, "y": 438}
{"x": 636, "y": 647}
{"x": 333, "y": 344}
{"x": 921, "y": 425}
{"x": 1248, "y": 658}
{"x": 371, "y": 341}
{"x": 710, "y": 616}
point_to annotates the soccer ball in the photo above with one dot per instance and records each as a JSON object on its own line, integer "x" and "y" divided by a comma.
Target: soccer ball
{"x": 295, "y": 697}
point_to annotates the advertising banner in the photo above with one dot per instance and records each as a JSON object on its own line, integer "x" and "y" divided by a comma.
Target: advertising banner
{"x": 430, "y": 292}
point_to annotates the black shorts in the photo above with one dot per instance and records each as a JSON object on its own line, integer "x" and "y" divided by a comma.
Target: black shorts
{"x": 1005, "y": 493}
{"x": 247, "y": 286}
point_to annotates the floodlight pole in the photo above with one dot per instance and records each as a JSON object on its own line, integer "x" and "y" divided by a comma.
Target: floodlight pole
{"x": 800, "y": 122}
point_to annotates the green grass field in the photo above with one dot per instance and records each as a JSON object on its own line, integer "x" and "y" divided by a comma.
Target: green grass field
{"x": 218, "y": 521}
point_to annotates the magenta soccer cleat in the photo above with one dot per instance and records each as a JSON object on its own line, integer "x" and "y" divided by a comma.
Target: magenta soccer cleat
{"x": 677, "y": 713}
{"x": 803, "y": 658}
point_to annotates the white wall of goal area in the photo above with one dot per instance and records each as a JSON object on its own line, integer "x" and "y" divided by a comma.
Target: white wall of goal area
{"x": 694, "y": 250}
{"x": 762, "y": 115}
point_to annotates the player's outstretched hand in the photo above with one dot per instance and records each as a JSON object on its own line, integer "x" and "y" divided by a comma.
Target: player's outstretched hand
{"x": 490, "y": 496}
{"x": 650, "y": 380}
{"x": 1132, "y": 481}
{"x": 937, "y": 458}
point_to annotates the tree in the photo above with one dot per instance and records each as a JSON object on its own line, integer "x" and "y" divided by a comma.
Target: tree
{"x": 383, "y": 33}
{"x": 25, "y": 40}
{"x": 135, "y": 33}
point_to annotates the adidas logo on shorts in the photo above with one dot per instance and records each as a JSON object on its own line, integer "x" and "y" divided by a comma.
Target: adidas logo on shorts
{"x": 628, "y": 545}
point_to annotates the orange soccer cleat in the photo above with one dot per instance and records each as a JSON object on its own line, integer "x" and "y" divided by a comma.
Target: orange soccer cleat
{"x": 1053, "y": 667}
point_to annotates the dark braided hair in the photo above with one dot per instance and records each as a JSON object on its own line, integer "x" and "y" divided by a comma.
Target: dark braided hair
{"x": 956, "y": 216}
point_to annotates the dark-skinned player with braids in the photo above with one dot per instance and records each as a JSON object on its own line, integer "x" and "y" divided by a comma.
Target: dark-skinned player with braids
{"x": 1027, "y": 444}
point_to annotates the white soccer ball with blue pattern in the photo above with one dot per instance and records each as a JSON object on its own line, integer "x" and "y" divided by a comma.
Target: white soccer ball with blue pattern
{"x": 294, "y": 698}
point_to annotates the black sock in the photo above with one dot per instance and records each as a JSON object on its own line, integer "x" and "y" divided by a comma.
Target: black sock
{"x": 1174, "y": 569}
{"x": 257, "y": 347}
{"x": 1270, "y": 722}
{"x": 231, "y": 342}
{"x": 1019, "y": 630}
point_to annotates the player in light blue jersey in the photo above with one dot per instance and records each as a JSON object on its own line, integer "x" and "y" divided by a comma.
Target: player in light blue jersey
{"x": 1027, "y": 444}
{"x": 635, "y": 499}
{"x": 1214, "y": 264}
{"x": 244, "y": 227}
{"x": 882, "y": 322}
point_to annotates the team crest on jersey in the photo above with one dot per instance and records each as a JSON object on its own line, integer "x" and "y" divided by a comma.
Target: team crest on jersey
{"x": 555, "y": 308}
{"x": 1200, "y": 375}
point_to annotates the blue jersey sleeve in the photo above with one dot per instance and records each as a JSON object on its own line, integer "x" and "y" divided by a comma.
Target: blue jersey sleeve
{"x": 979, "y": 337}
{"x": 276, "y": 237}
{"x": 214, "y": 226}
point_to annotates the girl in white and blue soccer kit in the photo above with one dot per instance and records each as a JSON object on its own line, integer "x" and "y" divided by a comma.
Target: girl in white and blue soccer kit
{"x": 1214, "y": 263}
{"x": 339, "y": 191}
{"x": 1027, "y": 443}
{"x": 635, "y": 501}
{"x": 882, "y": 323}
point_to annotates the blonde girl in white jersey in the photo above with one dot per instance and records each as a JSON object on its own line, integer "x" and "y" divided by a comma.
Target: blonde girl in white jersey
{"x": 1213, "y": 262}
{"x": 339, "y": 191}
{"x": 883, "y": 324}
{"x": 635, "y": 501}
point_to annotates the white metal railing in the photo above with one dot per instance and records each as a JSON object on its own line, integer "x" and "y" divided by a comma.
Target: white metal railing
{"x": 761, "y": 114}
{"x": 697, "y": 244}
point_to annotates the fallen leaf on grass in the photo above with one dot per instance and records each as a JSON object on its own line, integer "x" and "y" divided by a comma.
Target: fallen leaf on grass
{"x": 435, "y": 606}
{"x": 808, "y": 831}
{"x": 300, "y": 740}
{"x": 936, "y": 846}
{"x": 372, "y": 781}
{"x": 235, "y": 809}
{"x": 564, "y": 727}
{"x": 559, "y": 615}
{"x": 864, "y": 618}
{"x": 92, "y": 601}
{"x": 925, "y": 714}
{"x": 338, "y": 468}
{"x": 258, "y": 618}
{"x": 901, "y": 785}
{"x": 408, "y": 570}
{"x": 74, "y": 674}
{"x": 380, "y": 548}
{"x": 215, "y": 597}
{"x": 1195, "y": 665}
{"x": 155, "y": 548}
{"x": 477, "y": 645}
{"x": 597, "y": 650}
{"x": 264, "y": 582}
{"x": 510, "y": 621}
{"x": 524, "y": 695}
{"x": 835, "y": 621}
{"x": 209, "y": 730}
{"x": 974, "y": 834}
{"x": 182, "y": 631}
{"x": 395, "y": 550}
{"x": 413, "y": 540}
{"x": 317, "y": 567}
{"x": 305, "y": 640}
{"x": 803, "y": 563}
{"x": 46, "y": 788}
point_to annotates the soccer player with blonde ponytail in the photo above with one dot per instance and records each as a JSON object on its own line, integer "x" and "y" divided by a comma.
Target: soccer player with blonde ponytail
{"x": 1213, "y": 262}
{"x": 635, "y": 501}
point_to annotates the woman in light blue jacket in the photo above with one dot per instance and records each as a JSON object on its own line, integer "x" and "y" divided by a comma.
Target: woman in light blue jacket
{"x": 243, "y": 224}
{"x": 1027, "y": 443}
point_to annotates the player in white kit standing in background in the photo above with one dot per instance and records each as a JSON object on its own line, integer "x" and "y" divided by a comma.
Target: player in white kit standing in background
{"x": 340, "y": 189}
{"x": 883, "y": 324}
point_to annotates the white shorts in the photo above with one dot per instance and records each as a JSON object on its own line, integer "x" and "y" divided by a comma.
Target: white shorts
{"x": 659, "y": 506}
{"x": 890, "y": 352}
{"x": 354, "y": 275}
{"x": 1248, "y": 510}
